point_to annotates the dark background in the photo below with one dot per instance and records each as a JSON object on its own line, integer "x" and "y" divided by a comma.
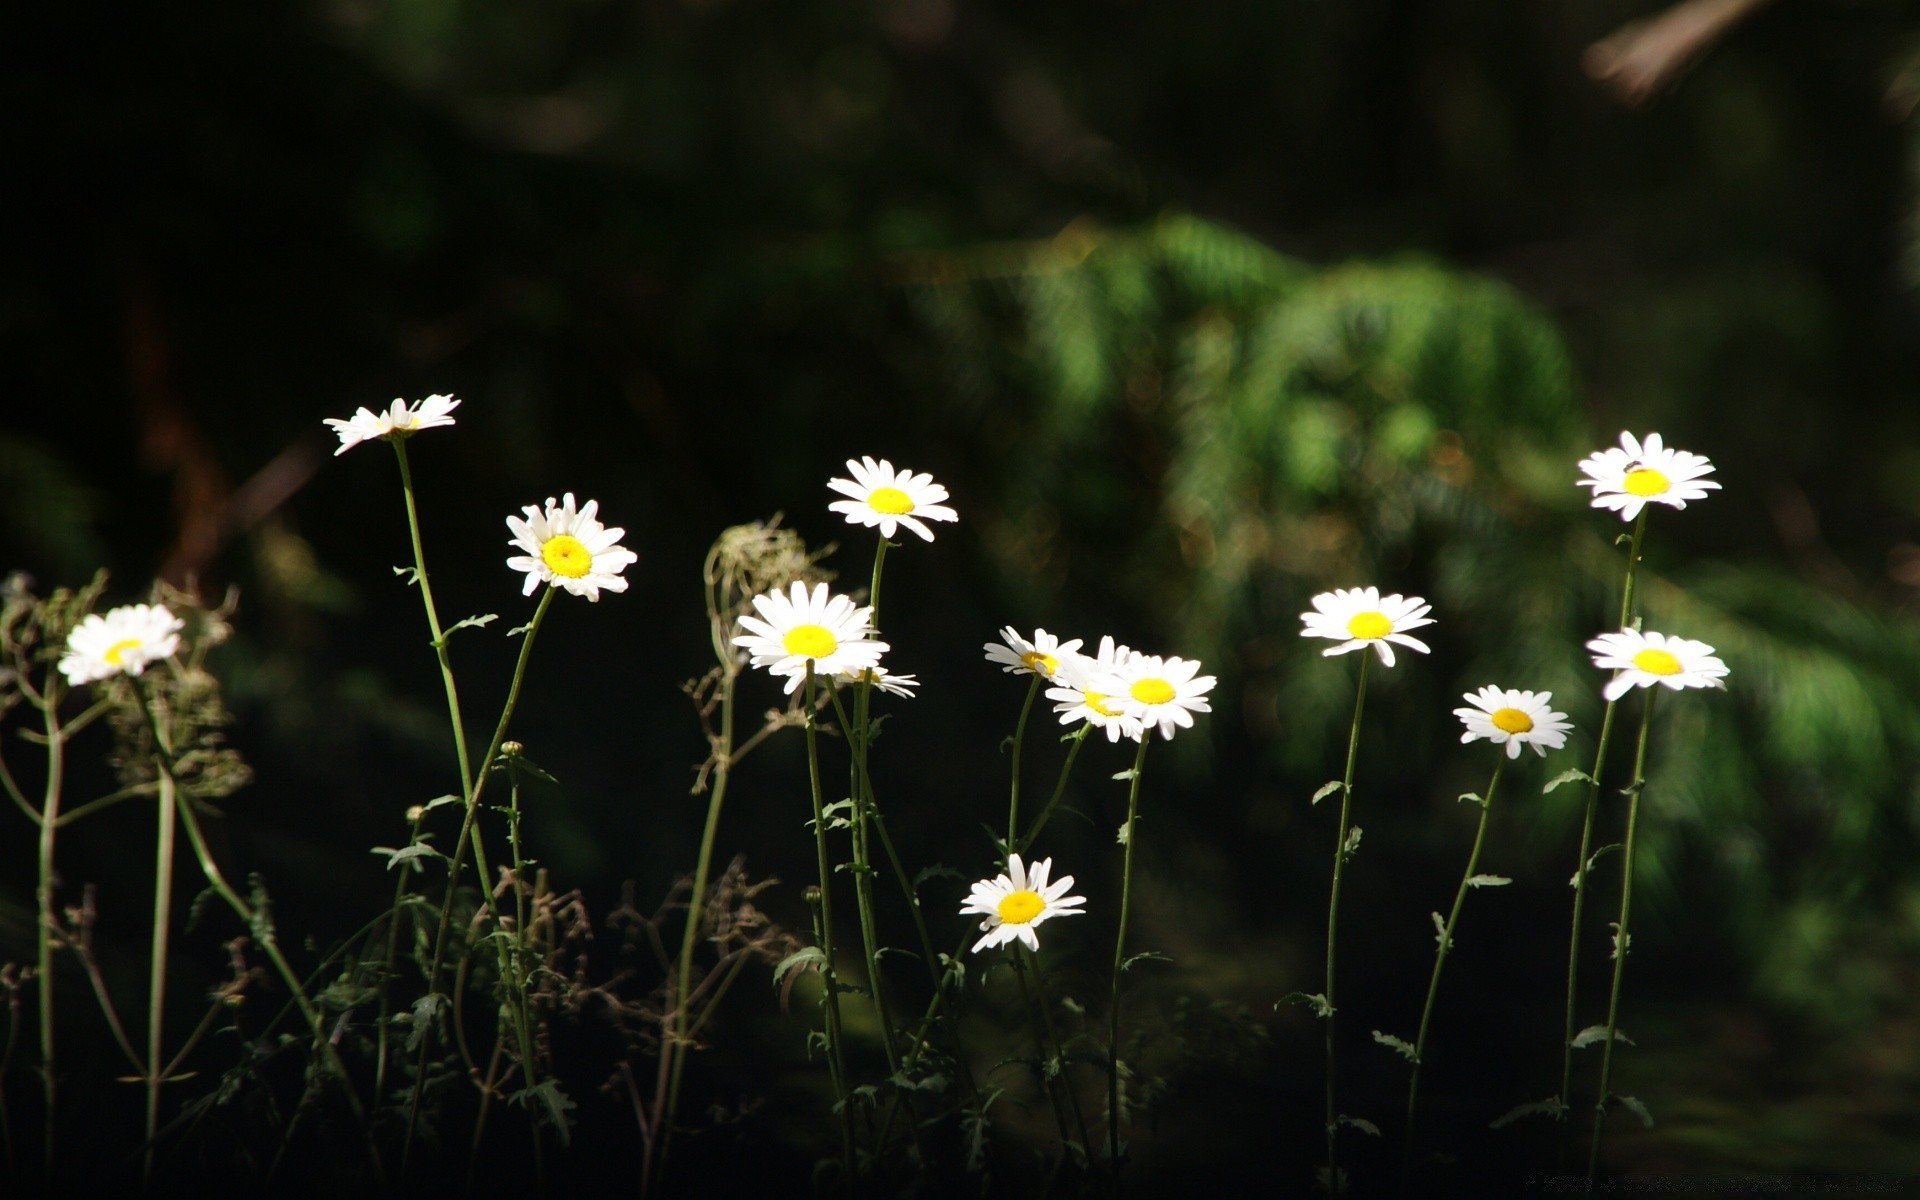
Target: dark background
{"x": 1197, "y": 310}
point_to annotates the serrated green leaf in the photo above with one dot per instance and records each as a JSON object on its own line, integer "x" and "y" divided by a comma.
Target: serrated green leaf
{"x": 471, "y": 623}
{"x": 1550, "y": 1107}
{"x": 1598, "y": 1033}
{"x": 936, "y": 871}
{"x": 547, "y": 1100}
{"x": 1592, "y": 859}
{"x": 1563, "y": 778}
{"x": 407, "y": 854}
{"x": 1362, "y": 1124}
{"x": 1327, "y": 789}
{"x": 1314, "y": 1000}
{"x": 1634, "y": 1106}
{"x": 1400, "y": 1045}
{"x": 1352, "y": 843}
{"x": 809, "y": 957}
{"x": 1440, "y": 932}
{"x": 1488, "y": 881}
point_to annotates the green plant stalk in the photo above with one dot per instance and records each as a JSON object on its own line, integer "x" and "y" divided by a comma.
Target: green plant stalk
{"x": 520, "y": 959}
{"x": 1019, "y": 736}
{"x": 1621, "y": 941}
{"x": 162, "y": 927}
{"x": 1119, "y": 956}
{"x": 1054, "y": 1046}
{"x": 382, "y": 1046}
{"x": 836, "y": 1057}
{"x": 468, "y": 832}
{"x": 1333, "y": 916}
{"x": 1586, "y": 827}
{"x": 43, "y": 968}
{"x": 1074, "y": 741}
{"x": 1440, "y": 964}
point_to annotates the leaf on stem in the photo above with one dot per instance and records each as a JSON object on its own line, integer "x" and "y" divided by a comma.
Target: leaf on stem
{"x": 1618, "y": 949}
{"x": 936, "y": 871}
{"x": 409, "y": 574}
{"x": 1143, "y": 956}
{"x": 425, "y": 1010}
{"x": 407, "y": 854}
{"x": 1440, "y": 932}
{"x": 1400, "y": 1045}
{"x": 1607, "y": 849}
{"x": 1634, "y": 1106}
{"x": 1352, "y": 843}
{"x": 1473, "y": 796}
{"x": 1327, "y": 789}
{"x": 1314, "y": 1000}
{"x": 471, "y": 623}
{"x": 547, "y": 1101}
{"x": 437, "y": 801}
{"x": 1488, "y": 881}
{"x": 1565, "y": 777}
{"x": 809, "y": 958}
{"x": 1123, "y": 776}
{"x": 1598, "y": 1033}
{"x": 1552, "y": 1106}
{"x": 1362, "y": 1124}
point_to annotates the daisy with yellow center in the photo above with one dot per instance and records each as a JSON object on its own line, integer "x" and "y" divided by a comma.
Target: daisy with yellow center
{"x": 889, "y": 499}
{"x": 1092, "y": 690}
{"x": 1644, "y": 659}
{"x": 1015, "y": 902}
{"x": 1636, "y": 473}
{"x": 399, "y": 420}
{"x": 122, "y": 642}
{"x": 569, "y": 548}
{"x": 1164, "y": 692}
{"x": 1042, "y": 656}
{"x": 797, "y": 627}
{"x": 1362, "y": 617}
{"x": 880, "y": 679}
{"x": 1513, "y": 719}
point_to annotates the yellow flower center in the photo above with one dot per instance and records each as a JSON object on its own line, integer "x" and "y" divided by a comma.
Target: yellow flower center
{"x": 1017, "y": 908}
{"x": 1151, "y": 691}
{"x": 565, "y": 555}
{"x": 1511, "y": 720}
{"x": 1097, "y": 702}
{"x": 1369, "y": 625}
{"x": 119, "y": 648}
{"x": 1645, "y": 481}
{"x": 889, "y": 500}
{"x": 1040, "y": 663}
{"x": 1656, "y": 662}
{"x": 809, "y": 641}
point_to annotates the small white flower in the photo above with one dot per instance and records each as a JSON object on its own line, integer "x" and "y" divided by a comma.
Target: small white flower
{"x": 1644, "y": 659}
{"x": 1163, "y": 692}
{"x": 888, "y": 498}
{"x": 796, "y": 627}
{"x": 1360, "y": 617}
{"x": 1042, "y": 656}
{"x": 882, "y": 680}
{"x": 569, "y": 549}
{"x": 1014, "y": 902}
{"x": 400, "y": 420}
{"x": 1636, "y": 473}
{"x": 1513, "y": 719}
{"x": 122, "y": 642}
{"x": 1093, "y": 691}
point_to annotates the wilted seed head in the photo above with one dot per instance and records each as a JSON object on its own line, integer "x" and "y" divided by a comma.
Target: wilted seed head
{"x": 761, "y": 556}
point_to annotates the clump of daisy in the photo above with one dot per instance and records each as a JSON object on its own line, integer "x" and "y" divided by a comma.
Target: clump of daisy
{"x": 1016, "y": 901}
{"x": 1513, "y": 719}
{"x": 569, "y": 548}
{"x": 1636, "y": 473}
{"x": 1092, "y": 690}
{"x": 1040, "y": 656}
{"x": 122, "y": 642}
{"x": 1646, "y": 659}
{"x": 1163, "y": 691}
{"x": 798, "y": 627}
{"x": 1361, "y": 617}
{"x": 398, "y": 420}
{"x": 888, "y": 498}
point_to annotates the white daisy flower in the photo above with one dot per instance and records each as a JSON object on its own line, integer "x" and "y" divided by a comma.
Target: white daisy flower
{"x": 1513, "y": 719}
{"x": 882, "y": 680}
{"x": 1093, "y": 691}
{"x": 122, "y": 642}
{"x": 1014, "y": 902}
{"x": 1644, "y": 659}
{"x": 400, "y": 420}
{"x": 1360, "y": 617}
{"x": 888, "y": 498}
{"x": 1636, "y": 473}
{"x": 796, "y": 627}
{"x": 1164, "y": 692}
{"x": 1042, "y": 656}
{"x": 569, "y": 548}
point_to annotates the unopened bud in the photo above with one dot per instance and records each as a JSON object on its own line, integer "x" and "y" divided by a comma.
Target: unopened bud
{"x": 511, "y": 749}
{"x": 415, "y": 813}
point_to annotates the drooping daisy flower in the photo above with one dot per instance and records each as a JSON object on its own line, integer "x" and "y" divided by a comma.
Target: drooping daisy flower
{"x": 1092, "y": 690}
{"x": 1644, "y": 659}
{"x": 1636, "y": 473}
{"x": 796, "y": 627}
{"x": 882, "y": 680}
{"x": 400, "y": 420}
{"x": 1164, "y": 692}
{"x": 122, "y": 642}
{"x": 1016, "y": 901}
{"x": 1513, "y": 719}
{"x": 1361, "y": 617}
{"x": 569, "y": 548}
{"x": 1042, "y": 656}
{"x": 888, "y": 498}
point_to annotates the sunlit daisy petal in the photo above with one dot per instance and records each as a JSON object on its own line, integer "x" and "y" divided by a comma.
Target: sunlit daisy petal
{"x": 796, "y": 627}
{"x": 1041, "y": 656}
{"x": 1644, "y": 659}
{"x": 123, "y": 641}
{"x": 1362, "y": 617}
{"x": 884, "y": 497}
{"x": 1163, "y": 691}
{"x": 569, "y": 548}
{"x": 882, "y": 680}
{"x": 1513, "y": 719}
{"x": 1093, "y": 690}
{"x": 1639, "y": 472}
{"x": 1017, "y": 900}
{"x": 398, "y": 420}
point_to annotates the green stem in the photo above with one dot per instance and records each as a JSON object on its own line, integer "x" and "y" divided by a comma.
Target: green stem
{"x": 1074, "y": 742}
{"x": 1586, "y": 828}
{"x": 1333, "y": 915}
{"x": 520, "y": 960}
{"x": 1440, "y": 963}
{"x": 162, "y": 927}
{"x": 1119, "y": 956}
{"x": 1019, "y": 736}
{"x": 49, "y": 824}
{"x": 835, "y": 1054}
{"x": 1621, "y": 944}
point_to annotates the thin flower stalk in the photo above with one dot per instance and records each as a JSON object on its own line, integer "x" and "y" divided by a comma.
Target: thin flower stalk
{"x": 43, "y": 893}
{"x": 836, "y": 1054}
{"x": 1019, "y": 738}
{"x": 162, "y": 927}
{"x": 1340, "y": 852}
{"x": 1119, "y": 954}
{"x": 1053, "y": 1065}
